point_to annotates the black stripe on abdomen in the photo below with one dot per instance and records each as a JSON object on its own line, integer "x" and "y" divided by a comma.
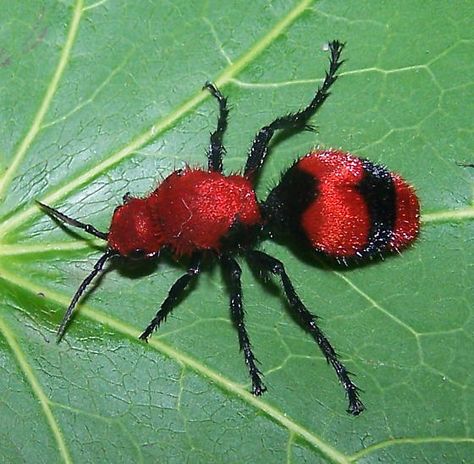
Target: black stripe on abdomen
{"x": 378, "y": 191}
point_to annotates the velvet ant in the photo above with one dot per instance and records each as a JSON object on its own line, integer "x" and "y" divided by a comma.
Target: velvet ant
{"x": 337, "y": 204}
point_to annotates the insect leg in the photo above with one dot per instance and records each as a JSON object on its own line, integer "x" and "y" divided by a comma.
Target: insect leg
{"x": 175, "y": 292}
{"x": 233, "y": 272}
{"x": 99, "y": 265}
{"x": 299, "y": 120}
{"x": 72, "y": 222}
{"x": 307, "y": 320}
{"x": 216, "y": 148}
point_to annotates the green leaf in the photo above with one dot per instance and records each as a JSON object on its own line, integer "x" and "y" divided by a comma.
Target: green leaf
{"x": 104, "y": 98}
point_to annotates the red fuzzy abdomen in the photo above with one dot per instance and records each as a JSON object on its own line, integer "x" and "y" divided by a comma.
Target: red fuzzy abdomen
{"x": 337, "y": 222}
{"x": 196, "y": 209}
{"x": 407, "y": 217}
{"x": 344, "y": 206}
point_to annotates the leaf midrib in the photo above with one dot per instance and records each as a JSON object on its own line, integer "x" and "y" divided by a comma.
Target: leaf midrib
{"x": 46, "y": 102}
{"x": 156, "y": 129}
{"x": 36, "y": 389}
{"x": 160, "y": 126}
{"x": 442, "y": 216}
{"x": 19, "y": 218}
{"x": 184, "y": 359}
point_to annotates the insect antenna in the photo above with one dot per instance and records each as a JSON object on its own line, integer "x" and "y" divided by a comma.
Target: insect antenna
{"x": 85, "y": 283}
{"x": 72, "y": 222}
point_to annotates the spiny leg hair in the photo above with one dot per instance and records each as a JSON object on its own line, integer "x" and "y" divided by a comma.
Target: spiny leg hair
{"x": 299, "y": 120}
{"x": 99, "y": 265}
{"x": 72, "y": 222}
{"x": 216, "y": 148}
{"x": 267, "y": 263}
{"x": 174, "y": 294}
{"x": 233, "y": 272}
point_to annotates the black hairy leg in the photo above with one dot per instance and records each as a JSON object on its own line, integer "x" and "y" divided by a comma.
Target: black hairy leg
{"x": 72, "y": 222}
{"x": 216, "y": 148}
{"x": 267, "y": 263}
{"x": 299, "y": 120}
{"x": 99, "y": 265}
{"x": 174, "y": 294}
{"x": 233, "y": 272}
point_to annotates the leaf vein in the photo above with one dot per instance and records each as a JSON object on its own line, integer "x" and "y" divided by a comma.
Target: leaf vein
{"x": 161, "y": 125}
{"x": 409, "y": 441}
{"x": 37, "y": 389}
{"x": 43, "y": 109}
{"x": 185, "y": 360}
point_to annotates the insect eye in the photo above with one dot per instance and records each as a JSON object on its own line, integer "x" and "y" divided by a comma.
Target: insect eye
{"x": 138, "y": 253}
{"x": 126, "y": 198}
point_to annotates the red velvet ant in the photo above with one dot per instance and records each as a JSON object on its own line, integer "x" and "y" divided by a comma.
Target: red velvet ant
{"x": 339, "y": 205}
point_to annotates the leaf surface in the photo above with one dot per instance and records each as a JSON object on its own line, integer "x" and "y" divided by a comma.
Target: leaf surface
{"x": 103, "y": 98}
